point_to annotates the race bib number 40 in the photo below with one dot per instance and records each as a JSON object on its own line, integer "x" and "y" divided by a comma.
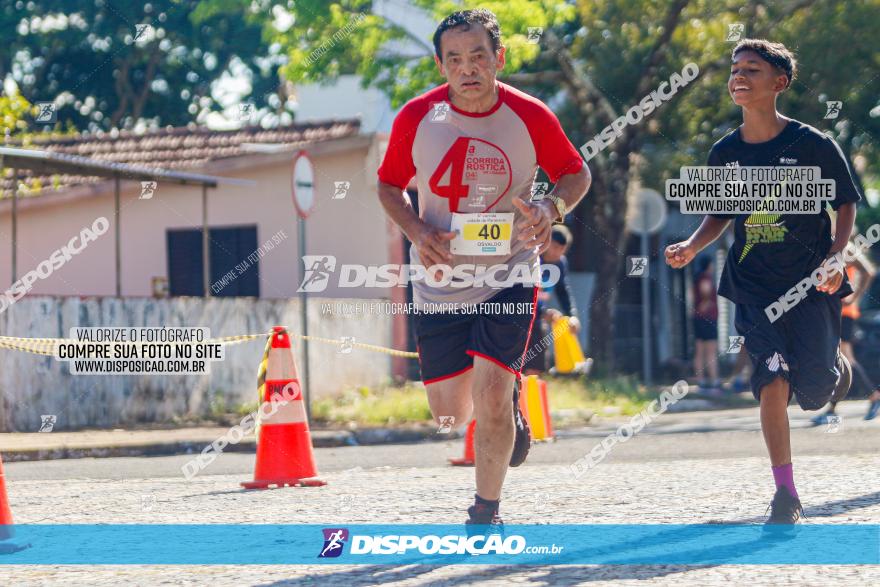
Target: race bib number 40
{"x": 485, "y": 233}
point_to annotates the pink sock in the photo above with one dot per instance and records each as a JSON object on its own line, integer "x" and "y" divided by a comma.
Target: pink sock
{"x": 784, "y": 475}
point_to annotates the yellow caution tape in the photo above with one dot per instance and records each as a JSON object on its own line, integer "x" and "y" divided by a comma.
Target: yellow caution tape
{"x": 46, "y": 346}
{"x": 261, "y": 372}
{"x": 361, "y": 345}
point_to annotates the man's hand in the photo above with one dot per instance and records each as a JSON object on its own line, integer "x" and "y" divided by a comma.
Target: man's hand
{"x": 536, "y": 226}
{"x": 433, "y": 246}
{"x": 551, "y": 315}
{"x": 680, "y": 254}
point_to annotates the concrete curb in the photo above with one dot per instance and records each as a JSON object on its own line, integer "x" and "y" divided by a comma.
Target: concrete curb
{"x": 320, "y": 439}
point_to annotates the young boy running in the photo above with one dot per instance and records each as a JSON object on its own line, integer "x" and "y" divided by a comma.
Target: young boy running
{"x": 797, "y": 354}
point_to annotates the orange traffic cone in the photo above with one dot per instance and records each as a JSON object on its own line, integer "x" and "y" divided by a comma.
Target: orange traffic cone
{"x": 284, "y": 447}
{"x": 469, "y": 457}
{"x": 545, "y": 403}
{"x": 538, "y": 414}
{"x": 5, "y": 513}
{"x": 6, "y": 531}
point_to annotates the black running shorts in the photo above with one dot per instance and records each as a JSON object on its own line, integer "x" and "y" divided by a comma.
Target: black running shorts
{"x": 801, "y": 346}
{"x": 499, "y": 332}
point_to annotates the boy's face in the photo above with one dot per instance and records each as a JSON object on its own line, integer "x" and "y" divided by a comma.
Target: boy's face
{"x": 469, "y": 64}
{"x": 753, "y": 80}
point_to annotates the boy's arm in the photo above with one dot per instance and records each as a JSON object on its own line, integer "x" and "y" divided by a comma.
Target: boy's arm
{"x": 680, "y": 254}
{"x": 846, "y": 216}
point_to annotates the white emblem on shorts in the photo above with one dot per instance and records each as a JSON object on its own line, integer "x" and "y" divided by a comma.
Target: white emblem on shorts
{"x": 775, "y": 362}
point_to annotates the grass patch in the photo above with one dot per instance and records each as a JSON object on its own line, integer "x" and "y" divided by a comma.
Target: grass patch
{"x": 408, "y": 404}
{"x": 615, "y": 395}
{"x": 384, "y": 407}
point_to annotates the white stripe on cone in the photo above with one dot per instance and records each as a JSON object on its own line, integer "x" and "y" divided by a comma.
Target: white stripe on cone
{"x": 281, "y": 365}
{"x": 287, "y": 407}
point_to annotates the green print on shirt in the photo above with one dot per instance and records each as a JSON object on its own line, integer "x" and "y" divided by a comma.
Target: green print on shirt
{"x": 762, "y": 228}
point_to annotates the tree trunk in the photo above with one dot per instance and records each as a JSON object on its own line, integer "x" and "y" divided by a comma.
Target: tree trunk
{"x": 609, "y": 192}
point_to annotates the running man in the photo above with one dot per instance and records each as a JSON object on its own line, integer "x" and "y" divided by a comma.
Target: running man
{"x": 798, "y": 354}
{"x": 474, "y": 145}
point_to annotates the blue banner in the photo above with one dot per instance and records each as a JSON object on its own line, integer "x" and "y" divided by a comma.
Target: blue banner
{"x": 603, "y": 544}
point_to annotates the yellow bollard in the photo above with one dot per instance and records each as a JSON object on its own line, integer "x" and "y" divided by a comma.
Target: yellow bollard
{"x": 561, "y": 351}
{"x": 567, "y": 353}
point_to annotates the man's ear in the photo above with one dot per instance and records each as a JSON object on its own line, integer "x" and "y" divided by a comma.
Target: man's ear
{"x": 439, "y": 65}
{"x": 499, "y": 58}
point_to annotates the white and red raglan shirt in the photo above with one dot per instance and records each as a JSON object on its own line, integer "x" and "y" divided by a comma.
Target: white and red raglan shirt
{"x": 472, "y": 165}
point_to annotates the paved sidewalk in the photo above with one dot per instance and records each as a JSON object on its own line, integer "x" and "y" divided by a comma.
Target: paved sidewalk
{"x": 37, "y": 446}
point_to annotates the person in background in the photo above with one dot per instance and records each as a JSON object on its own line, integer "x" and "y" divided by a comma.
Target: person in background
{"x": 861, "y": 273}
{"x": 560, "y": 241}
{"x": 706, "y": 327}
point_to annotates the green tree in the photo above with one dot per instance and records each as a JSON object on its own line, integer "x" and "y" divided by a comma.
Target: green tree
{"x": 14, "y": 110}
{"x": 110, "y": 64}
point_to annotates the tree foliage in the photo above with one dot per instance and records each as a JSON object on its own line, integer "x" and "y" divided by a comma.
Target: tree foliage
{"x": 110, "y": 64}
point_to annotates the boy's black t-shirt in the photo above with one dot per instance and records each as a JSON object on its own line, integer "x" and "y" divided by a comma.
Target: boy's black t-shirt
{"x": 772, "y": 253}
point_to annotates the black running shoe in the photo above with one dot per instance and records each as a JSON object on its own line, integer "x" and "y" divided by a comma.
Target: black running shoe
{"x": 785, "y": 509}
{"x": 845, "y": 381}
{"x": 482, "y": 520}
{"x": 522, "y": 441}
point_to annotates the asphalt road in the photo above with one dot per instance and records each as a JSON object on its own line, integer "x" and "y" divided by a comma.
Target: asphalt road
{"x": 695, "y": 435}
{"x": 684, "y": 469}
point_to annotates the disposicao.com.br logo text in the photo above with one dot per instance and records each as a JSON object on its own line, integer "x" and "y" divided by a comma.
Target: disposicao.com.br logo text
{"x": 451, "y": 544}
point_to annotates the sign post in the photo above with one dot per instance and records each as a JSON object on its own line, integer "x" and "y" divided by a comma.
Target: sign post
{"x": 646, "y": 216}
{"x": 303, "y": 187}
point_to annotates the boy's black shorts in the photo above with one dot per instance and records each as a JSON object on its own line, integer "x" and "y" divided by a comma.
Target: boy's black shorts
{"x": 801, "y": 346}
{"x": 448, "y": 342}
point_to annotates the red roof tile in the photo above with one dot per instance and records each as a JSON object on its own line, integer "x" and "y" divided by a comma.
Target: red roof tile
{"x": 172, "y": 148}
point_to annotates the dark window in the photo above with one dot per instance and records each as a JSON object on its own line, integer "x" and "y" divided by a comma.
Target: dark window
{"x": 232, "y": 273}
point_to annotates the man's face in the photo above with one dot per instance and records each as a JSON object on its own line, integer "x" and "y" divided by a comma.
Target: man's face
{"x": 469, "y": 64}
{"x": 554, "y": 252}
{"x": 753, "y": 80}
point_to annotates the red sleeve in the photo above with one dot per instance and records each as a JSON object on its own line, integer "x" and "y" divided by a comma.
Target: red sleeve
{"x": 398, "y": 167}
{"x": 556, "y": 155}
{"x": 554, "y": 152}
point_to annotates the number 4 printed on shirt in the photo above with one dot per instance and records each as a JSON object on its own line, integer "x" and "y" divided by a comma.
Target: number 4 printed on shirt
{"x": 453, "y": 160}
